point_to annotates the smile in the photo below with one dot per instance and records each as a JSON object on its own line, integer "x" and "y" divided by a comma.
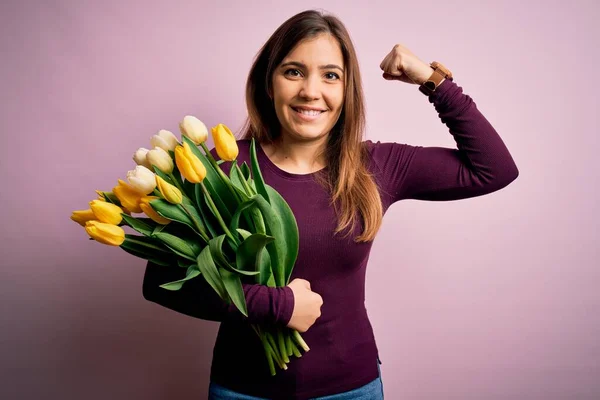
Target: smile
{"x": 307, "y": 115}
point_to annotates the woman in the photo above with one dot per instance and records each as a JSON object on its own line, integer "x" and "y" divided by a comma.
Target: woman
{"x": 306, "y": 112}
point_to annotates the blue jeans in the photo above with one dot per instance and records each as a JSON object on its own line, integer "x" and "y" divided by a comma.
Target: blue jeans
{"x": 371, "y": 391}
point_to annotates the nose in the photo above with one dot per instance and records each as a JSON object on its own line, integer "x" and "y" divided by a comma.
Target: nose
{"x": 310, "y": 89}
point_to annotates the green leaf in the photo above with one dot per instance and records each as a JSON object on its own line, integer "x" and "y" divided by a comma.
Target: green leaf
{"x": 248, "y": 254}
{"x": 191, "y": 209}
{"x": 148, "y": 249}
{"x": 158, "y": 228}
{"x": 190, "y": 190}
{"x": 183, "y": 263}
{"x": 213, "y": 182}
{"x": 171, "y": 211}
{"x": 161, "y": 174}
{"x": 234, "y": 288}
{"x": 245, "y": 234}
{"x": 290, "y": 230}
{"x": 211, "y": 274}
{"x": 148, "y": 243}
{"x": 239, "y": 182}
{"x": 276, "y": 249}
{"x": 280, "y": 224}
{"x": 245, "y": 171}
{"x": 143, "y": 227}
{"x": 216, "y": 250}
{"x": 235, "y": 220}
{"x": 191, "y": 272}
{"x": 258, "y": 179}
{"x": 181, "y": 247}
{"x": 174, "y": 212}
{"x": 270, "y": 279}
{"x": 266, "y": 275}
{"x": 208, "y": 218}
{"x": 219, "y": 203}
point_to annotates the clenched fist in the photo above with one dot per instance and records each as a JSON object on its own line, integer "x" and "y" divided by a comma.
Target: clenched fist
{"x": 402, "y": 65}
{"x": 307, "y": 305}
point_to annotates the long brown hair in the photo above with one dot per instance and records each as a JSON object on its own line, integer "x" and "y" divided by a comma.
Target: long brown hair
{"x": 349, "y": 182}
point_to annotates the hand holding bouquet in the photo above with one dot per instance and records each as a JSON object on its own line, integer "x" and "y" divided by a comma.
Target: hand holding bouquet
{"x": 225, "y": 229}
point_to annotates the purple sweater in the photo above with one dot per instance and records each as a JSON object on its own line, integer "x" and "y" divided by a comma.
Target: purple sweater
{"x": 343, "y": 353}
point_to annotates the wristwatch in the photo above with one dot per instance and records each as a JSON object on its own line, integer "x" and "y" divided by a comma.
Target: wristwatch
{"x": 440, "y": 72}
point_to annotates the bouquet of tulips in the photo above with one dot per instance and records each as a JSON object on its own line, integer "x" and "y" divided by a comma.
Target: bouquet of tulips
{"x": 227, "y": 229}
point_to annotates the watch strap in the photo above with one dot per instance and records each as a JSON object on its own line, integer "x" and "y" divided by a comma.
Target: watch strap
{"x": 439, "y": 74}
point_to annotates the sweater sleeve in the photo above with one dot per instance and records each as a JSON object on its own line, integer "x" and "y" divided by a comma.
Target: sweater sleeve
{"x": 481, "y": 163}
{"x": 198, "y": 299}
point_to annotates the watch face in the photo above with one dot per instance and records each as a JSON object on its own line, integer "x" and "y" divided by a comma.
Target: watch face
{"x": 429, "y": 85}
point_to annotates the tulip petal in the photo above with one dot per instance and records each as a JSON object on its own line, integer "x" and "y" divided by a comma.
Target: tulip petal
{"x": 225, "y": 142}
{"x": 106, "y": 212}
{"x": 82, "y": 216}
{"x": 168, "y": 191}
{"x": 105, "y": 233}
{"x": 128, "y": 197}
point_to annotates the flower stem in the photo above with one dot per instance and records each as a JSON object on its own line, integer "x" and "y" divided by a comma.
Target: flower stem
{"x": 273, "y": 345}
{"x": 200, "y": 229}
{"x": 176, "y": 183}
{"x": 215, "y": 211}
{"x": 282, "y": 347}
{"x": 289, "y": 343}
{"x": 244, "y": 183}
{"x": 270, "y": 353}
{"x": 222, "y": 175}
{"x": 296, "y": 336}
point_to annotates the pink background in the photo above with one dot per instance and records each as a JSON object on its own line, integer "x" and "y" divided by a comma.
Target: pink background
{"x": 487, "y": 298}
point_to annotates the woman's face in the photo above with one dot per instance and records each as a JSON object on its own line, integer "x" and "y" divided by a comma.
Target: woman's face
{"x": 308, "y": 88}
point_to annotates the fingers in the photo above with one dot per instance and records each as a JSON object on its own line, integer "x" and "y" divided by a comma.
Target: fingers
{"x": 392, "y": 77}
{"x": 390, "y": 69}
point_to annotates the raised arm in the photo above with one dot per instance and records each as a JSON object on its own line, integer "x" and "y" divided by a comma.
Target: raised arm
{"x": 481, "y": 164}
{"x": 198, "y": 299}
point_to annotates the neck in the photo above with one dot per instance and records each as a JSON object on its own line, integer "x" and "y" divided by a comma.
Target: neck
{"x": 301, "y": 155}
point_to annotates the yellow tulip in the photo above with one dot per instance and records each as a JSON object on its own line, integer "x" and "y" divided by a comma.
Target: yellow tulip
{"x": 168, "y": 191}
{"x": 151, "y": 212}
{"x": 225, "y": 142}
{"x": 128, "y": 196}
{"x": 83, "y": 216}
{"x": 105, "y": 233}
{"x": 106, "y": 212}
{"x": 188, "y": 164}
{"x": 194, "y": 129}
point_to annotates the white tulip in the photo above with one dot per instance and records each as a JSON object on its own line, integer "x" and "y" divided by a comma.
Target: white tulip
{"x": 142, "y": 179}
{"x": 140, "y": 158}
{"x": 160, "y": 159}
{"x": 194, "y": 129}
{"x": 165, "y": 140}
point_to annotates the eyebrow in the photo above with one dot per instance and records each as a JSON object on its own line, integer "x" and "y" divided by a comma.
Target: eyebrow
{"x": 299, "y": 64}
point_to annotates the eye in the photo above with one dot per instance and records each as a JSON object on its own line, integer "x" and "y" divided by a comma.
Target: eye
{"x": 287, "y": 72}
{"x": 333, "y": 75}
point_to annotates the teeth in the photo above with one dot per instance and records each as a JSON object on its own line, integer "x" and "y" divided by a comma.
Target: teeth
{"x": 309, "y": 112}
